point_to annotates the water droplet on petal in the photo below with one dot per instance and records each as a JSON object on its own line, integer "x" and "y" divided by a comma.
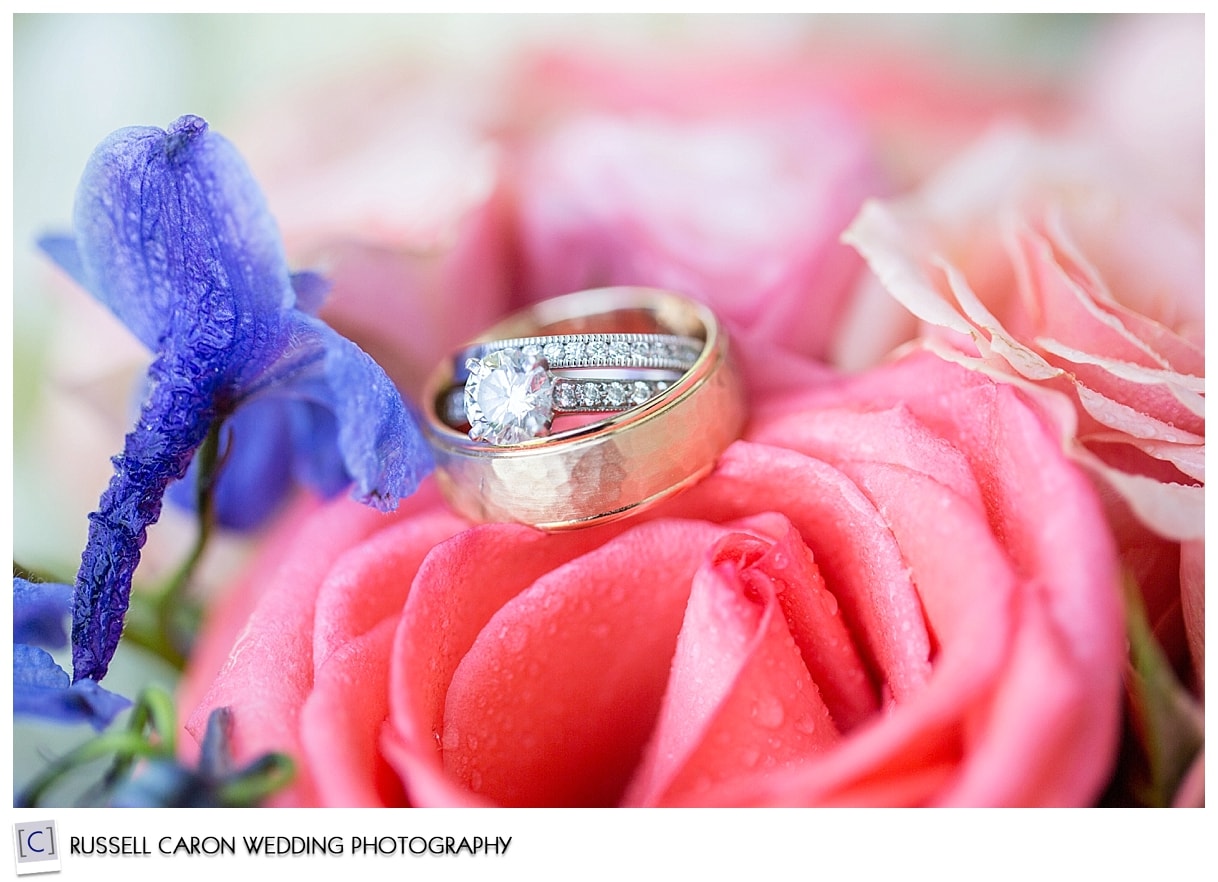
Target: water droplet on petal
{"x": 768, "y": 712}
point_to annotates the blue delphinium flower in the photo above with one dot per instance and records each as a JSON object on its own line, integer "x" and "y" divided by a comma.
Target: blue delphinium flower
{"x": 40, "y": 686}
{"x": 172, "y": 234}
{"x": 284, "y": 442}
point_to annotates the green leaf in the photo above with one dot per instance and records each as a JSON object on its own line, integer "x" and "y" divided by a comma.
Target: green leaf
{"x": 1168, "y": 724}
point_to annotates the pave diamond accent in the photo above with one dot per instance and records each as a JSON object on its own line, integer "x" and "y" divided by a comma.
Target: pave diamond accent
{"x": 616, "y": 394}
{"x": 577, "y": 351}
{"x": 599, "y": 396}
{"x": 508, "y": 397}
{"x": 590, "y": 394}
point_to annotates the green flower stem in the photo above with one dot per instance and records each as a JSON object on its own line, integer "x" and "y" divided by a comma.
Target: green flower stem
{"x": 126, "y": 744}
{"x": 153, "y": 711}
{"x": 32, "y": 575}
{"x": 261, "y": 778}
{"x": 1168, "y": 723}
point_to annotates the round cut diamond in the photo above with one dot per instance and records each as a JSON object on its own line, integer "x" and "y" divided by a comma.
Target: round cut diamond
{"x": 616, "y": 394}
{"x": 508, "y": 397}
{"x": 589, "y": 395}
{"x": 564, "y": 395}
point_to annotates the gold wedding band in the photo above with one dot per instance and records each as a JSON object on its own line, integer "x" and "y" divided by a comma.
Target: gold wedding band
{"x": 655, "y": 366}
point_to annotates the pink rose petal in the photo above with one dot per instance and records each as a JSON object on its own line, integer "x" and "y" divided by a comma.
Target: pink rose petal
{"x": 853, "y": 547}
{"x": 339, "y": 736}
{"x": 461, "y": 585}
{"x": 739, "y": 697}
{"x": 820, "y": 634}
{"x": 269, "y": 672}
{"x": 553, "y": 701}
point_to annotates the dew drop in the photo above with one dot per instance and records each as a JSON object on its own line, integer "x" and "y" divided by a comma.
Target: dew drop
{"x": 768, "y": 712}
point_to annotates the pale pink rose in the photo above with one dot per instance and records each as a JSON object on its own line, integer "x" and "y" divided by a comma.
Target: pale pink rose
{"x": 1034, "y": 256}
{"x": 919, "y": 103}
{"x": 1042, "y": 263}
{"x": 896, "y": 590}
{"x": 1144, "y": 94}
{"x": 1072, "y": 260}
{"x": 389, "y": 184}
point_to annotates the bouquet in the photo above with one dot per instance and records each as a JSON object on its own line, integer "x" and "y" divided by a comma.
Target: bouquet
{"x": 954, "y": 558}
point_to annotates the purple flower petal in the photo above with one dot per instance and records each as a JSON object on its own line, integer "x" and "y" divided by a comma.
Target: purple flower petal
{"x": 42, "y": 688}
{"x": 175, "y": 238}
{"x": 318, "y": 462}
{"x": 62, "y": 249}
{"x": 311, "y": 290}
{"x": 256, "y": 452}
{"x": 381, "y": 449}
{"x": 39, "y": 611}
{"x": 173, "y": 235}
{"x": 173, "y": 420}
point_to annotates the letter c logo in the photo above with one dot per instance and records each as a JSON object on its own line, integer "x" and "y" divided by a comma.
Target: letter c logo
{"x": 29, "y": 841}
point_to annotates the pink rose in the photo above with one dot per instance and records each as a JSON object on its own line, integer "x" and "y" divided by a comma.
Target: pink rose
{"x": 743, "y": 213}
{"x": 919, "y": 103}
{"x": 1034, "y": 262}
{"x": 728, "y": 175}
{"x": 390, "y": 185}
{"x": 1072, "y": 263}
{"x": 895, "y": 590}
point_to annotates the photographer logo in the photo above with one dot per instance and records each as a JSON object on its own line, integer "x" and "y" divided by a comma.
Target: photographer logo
{"x": 36, "y": 847}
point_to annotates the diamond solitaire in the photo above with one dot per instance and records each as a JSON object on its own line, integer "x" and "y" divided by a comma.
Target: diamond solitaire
{"x": 508, "y": 397}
